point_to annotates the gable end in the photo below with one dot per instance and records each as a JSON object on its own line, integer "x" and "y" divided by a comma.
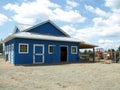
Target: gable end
{"x": 47, "y": 28}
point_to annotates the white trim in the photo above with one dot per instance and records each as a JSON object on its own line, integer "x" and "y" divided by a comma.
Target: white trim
{"x": 49, "y": 49}
{"x": 75, "y": 48}
{"x": 39, "y": 54}
{"x": 27, "y": 48}
{"x": 9, "y": 53}
{"x": 12, "y": 53}
{"x": 67, "y": 52}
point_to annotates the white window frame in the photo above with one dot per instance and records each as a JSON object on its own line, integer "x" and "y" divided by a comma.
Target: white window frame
{"x": 49, "y": 49}
{"x": 72, "y": 50}
{"x": 27, "y": 48}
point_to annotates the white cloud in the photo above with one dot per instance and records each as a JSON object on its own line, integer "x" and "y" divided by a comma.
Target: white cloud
{"x": 72, "y": 3}
{"x": 95, "y": 32}
{"x": 29, "y": 12}
{"x": 109, "y": 43}
{"x": 101, "y": 41}
{"x": 99, "y": 22}
{"x": 114, "y": 4}
{"x": 114, "y": 19}
{"x": 67, "y": 16}
{"x": 97, "y": 11}
{"x": 69, "y": 29}
{"x": 106, "y": 25}
{"x": 84, "y": 34}
{"x": 11, "y": 6}
{"x": 3, "y": 19}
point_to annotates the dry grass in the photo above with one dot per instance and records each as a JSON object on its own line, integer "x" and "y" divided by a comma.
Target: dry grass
{"x": 80, "y": 76}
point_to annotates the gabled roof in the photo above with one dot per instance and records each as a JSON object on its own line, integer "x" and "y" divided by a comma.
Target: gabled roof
{"x": 22, "y": 27}
{"x": 25, "y": 28}
{"x": 28, "y": 35}
{"x": 48, "y": 21}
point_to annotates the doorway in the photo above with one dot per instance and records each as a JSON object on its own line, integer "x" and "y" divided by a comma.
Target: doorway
{"x": 63, "y": 53}
{"x": 38, "y": 54}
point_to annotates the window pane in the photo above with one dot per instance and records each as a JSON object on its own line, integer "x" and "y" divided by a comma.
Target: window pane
{"x": 23, "y": 48}
{"x": 74, "y": 49}
{"x": 51, "y": 49}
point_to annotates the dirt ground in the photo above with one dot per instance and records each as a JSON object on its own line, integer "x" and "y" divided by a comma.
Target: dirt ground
{"x": 78, "y": 76}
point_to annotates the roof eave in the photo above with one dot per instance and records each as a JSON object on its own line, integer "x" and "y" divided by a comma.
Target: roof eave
{"x": 25, "y": 37}
{"x": 8, "y": 38}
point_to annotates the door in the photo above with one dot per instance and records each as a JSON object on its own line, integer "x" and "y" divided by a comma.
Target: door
{"x": 63, "y": 54}
{"x": 38, "y": 53}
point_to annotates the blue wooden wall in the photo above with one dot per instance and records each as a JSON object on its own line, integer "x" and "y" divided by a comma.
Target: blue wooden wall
{"x": 48, "y": 29}
{"x": 10, "y": 51}
{"x": 48, "y": 58}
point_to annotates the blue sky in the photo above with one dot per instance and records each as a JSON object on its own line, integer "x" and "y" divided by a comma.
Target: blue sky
{"x": 93, "y": 21}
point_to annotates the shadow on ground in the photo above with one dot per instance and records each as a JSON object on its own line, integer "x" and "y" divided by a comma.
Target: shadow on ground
{"x": 53, "y": 64}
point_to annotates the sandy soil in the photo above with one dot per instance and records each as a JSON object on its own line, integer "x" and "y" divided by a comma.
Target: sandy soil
{"x": 92, "y": 76}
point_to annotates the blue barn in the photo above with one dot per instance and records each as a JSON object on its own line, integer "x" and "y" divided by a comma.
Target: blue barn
{"x": 42, "y": 43}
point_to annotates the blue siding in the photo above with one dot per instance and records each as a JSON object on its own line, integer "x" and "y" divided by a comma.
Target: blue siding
{"x": 48, "y": 29}
{"x": 48, "y": 58}
{"x": 9, "y": 51}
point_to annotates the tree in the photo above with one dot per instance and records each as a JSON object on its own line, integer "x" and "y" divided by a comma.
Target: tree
{"x": 111, "y": 50}
{"x": 90, "y": 53}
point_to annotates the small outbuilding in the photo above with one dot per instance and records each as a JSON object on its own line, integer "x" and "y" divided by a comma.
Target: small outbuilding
{"x": 42, "y": 43}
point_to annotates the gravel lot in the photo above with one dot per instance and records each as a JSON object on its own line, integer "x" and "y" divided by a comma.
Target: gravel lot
{"x": 80, "y": 76}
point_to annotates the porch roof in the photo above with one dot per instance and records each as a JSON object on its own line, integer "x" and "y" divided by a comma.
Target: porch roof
{"x": 84, "y": 45}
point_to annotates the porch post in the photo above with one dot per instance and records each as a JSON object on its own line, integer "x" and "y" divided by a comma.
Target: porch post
{"x": 93, "y": 54}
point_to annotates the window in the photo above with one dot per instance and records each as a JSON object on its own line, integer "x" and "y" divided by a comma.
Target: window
{"x": 23, "y": 48}
{"x": 74, "y": 49}
{"x": 50, "y": 49}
